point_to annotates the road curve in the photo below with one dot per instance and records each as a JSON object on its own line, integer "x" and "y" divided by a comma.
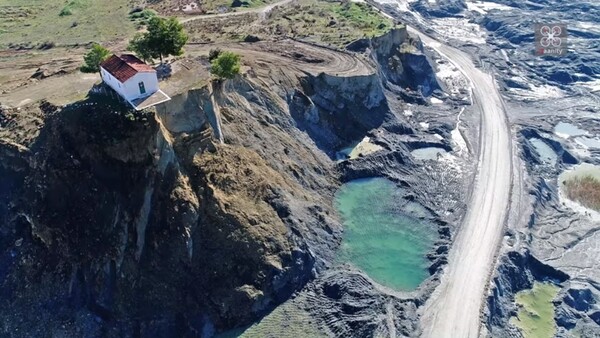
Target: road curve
{"x": 296, "y": 55}
{"x": 454, "y": 309}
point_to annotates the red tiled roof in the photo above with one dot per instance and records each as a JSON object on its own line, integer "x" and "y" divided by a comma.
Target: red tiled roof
{"x": 125, "y": 66}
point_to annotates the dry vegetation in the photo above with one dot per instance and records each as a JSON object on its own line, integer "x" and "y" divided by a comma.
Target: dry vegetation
{"x": 585, "y": 190}
{"x": 192, "y": 7}
{"x": 333, "y": 23}
{"x": 337, "y": 23}
{"x": 241, "y": 183}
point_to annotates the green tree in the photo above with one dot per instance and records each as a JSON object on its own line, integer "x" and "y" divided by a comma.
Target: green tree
{"x": 139, "y": 45}
{"x": 164, "y": 37}
{"x": 94, "y": 58}
{"x": 226, "y": 65}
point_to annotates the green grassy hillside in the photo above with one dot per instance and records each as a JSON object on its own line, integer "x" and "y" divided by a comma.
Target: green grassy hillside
{"x": 33, "y": 23}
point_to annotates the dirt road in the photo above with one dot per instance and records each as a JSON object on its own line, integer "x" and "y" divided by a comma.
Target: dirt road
{"x": 262, "y": 11}
{"x": 454, "y": 308}
{"x": 296, "y": 55}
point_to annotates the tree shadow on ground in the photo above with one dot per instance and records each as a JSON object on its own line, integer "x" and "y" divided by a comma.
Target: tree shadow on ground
{"x": 164, "y": 71}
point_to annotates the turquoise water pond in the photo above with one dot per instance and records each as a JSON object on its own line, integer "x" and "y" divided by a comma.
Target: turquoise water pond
{"x": 383, "y": 235}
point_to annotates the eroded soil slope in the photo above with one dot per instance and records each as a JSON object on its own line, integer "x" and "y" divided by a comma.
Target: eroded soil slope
{"x": 118, "y": 228}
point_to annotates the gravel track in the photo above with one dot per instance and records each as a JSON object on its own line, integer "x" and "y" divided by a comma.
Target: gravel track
{"x": 262, "y": 11}
{"x": 299, "y": 56}
{"x": 454, "y": 308}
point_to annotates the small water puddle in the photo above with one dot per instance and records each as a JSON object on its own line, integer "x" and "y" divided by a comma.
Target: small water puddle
{"x": 546, "y": 153}
{"x": 588, "y": 142}
{"x": 428, "y": 153}
{"x": 383, "y": 235}
{"x": 535, "y": 318}
{"x": 565, "y": 130}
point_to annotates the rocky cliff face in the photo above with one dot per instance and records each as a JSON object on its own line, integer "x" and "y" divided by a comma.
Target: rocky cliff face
{"x": 139, "y": 227}
{"x": 189, "y": 220}
{"x": 337, "y": 110}
{"x": 14, "y": 156}
{"x": 143, "y": 224}
{"x": 402, "y": 61}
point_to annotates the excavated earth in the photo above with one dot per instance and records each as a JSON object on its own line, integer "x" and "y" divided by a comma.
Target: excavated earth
{"x": 206, "y": 212}
{"x": 548, "y": 237}
{"x": 209, "y": 211}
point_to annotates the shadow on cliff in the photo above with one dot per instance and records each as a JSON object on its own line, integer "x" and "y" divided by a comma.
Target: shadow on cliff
{"x": 86, "y": 161}
{"x": 135, "y": 231}
{"x": 517, "y": 271}
{"x": 403, "y": 64}
{"x": 336, "y": 110}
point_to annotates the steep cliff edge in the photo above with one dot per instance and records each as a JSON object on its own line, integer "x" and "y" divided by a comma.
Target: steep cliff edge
{"x": 338, "y": 110}
{"x": 133, "y": 227}
{"x": 139, "y": 223}
{"x": 402, "y": 61}
{"x": 192, "y": 219}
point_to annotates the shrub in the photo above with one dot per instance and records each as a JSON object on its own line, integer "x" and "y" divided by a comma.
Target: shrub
{"x": 94, "y": 58}
{"x": 65, "y": 11}
{"x": 46, "y": 45}
{"x": 142, "y": 15}
{"x": 226, "y": 65}
{"x": 68, "y": 9}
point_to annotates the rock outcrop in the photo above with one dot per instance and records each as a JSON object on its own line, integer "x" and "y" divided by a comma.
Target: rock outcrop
{"x": 14, "y": 156}
{"x": 337, "y": 110}
{"x": 402, "y": 61}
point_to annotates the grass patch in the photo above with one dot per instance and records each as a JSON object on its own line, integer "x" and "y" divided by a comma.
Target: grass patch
{"x": 142, "y": 16}
{"x": 71, "y": 6}
{"x": 362, "y": 16}
{"x": 535, "y": 318}
{"x": 336, "y": 23}
{"x": 165, "y": 7}
{"x": 324, "y": 22}
{"x": 29, "y": 23}
{"x": 585, "y": 190}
